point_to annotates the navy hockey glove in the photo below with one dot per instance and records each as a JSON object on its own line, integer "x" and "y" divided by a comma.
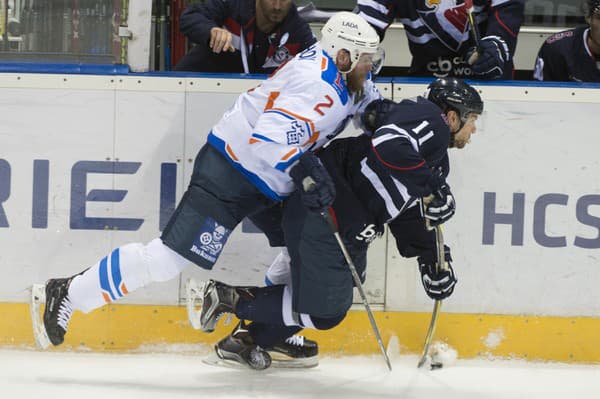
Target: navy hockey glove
{"x": 490, "y": 60}
{"x": 441, "y": 207}
{"x": 312, "y": 179}
{"x": 438, "y": 285}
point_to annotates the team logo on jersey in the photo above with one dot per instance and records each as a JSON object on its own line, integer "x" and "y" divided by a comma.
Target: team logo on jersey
{"x": 446, "y": 19}
{"x": 296, "y": 134}
{"x": 210, "y": 241}
{"x": 281, "y": 54}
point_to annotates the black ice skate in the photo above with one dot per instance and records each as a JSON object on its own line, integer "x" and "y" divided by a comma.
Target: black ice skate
{"x": 218, "y": 299}
{"x": 295, "y": 352}
{"x": 239, "y": 348}
{"x": 57, "y": 313}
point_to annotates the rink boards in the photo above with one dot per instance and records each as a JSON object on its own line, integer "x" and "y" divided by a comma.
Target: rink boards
{"x": 90, "y": 162}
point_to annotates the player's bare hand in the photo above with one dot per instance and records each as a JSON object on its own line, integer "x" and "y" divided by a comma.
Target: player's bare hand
{"x": 221, "y": 40}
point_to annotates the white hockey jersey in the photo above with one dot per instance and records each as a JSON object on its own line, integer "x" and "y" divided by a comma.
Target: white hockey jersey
{"x": 299, "y": 108}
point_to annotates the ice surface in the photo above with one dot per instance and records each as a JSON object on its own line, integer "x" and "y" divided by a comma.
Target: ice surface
{"x": 67, "y": 375}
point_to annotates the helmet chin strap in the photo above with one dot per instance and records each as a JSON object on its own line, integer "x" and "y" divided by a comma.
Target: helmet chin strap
{"x": 452, "y": 140}
{"x": 453, "y": 134}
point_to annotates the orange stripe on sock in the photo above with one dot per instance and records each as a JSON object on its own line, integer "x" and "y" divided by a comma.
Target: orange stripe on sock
{"x": 124, "y": 289}
{"x": 106, "y": 297}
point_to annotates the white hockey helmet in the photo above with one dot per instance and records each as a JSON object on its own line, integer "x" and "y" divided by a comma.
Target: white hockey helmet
{"x": 349, "y": 31}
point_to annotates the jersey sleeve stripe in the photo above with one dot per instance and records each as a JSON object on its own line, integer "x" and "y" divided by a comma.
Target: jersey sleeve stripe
{"x": 377, "y": 184}
{"x": 272, "y": 97}
{"x": 383, "y": 138}
{"x": 374, "y": 5}
{"x": 294, "y": 154}
{"x": 289, "y": 154}
{"x": 396, "y": 167}
{"x": 374, "y": 21}
{"x": 506, "y": 28}
{"x": 400, "y": 133}
{"x": 259, "y": 137}
{"x": 231, "y": 153}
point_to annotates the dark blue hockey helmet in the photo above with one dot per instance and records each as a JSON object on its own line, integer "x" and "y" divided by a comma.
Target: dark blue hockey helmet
{"x": 455, "y": 94}
{"x": 375, "y": 113}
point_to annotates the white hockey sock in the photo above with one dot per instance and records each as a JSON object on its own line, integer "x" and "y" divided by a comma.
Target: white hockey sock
{"x": 279, "y": 272}
{"x": 291, "y": 318}
{"x": 124, "y": 270}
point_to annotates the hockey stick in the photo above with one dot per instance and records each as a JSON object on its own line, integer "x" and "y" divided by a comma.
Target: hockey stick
{"x": 474, "y": 32}
{"x": 327, "y": 215}
{"x": 440, "y": 265}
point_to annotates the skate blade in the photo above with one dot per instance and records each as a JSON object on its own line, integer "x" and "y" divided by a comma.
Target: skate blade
{"x": 283, "y": 362}
{"x": 194, "y": 294}
{"x": 214, "y": 360}
{"x": 38, "y": 295}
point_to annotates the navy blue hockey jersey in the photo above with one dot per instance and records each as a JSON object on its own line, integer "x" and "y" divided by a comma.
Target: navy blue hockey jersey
{"x": 565, "y": 56}
{"x": 438, "y": 30}
{"x": 378, "y": 179}
{"x": 256, "y": 52}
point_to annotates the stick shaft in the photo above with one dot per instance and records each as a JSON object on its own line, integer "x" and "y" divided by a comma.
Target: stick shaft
{"x": 440, "y": 264}
{"x": 358, "y": 284}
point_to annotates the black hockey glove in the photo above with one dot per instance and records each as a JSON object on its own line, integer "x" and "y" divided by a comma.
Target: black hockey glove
{"x": 312, "y": 179}
{"x": 440, "y": 206}
{"x": 492, "y": 55}
{"x": 438, "y": 285}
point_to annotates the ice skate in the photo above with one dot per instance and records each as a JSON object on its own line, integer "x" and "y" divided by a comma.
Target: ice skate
{"x": 295, "y": 352}
{"x": 239, "y": 350}
{"x": 217, "y": 300}
{"x": 58, "y": 311}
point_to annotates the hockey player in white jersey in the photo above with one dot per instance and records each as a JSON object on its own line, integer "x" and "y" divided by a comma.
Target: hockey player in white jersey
{"x": 247, "y": 165}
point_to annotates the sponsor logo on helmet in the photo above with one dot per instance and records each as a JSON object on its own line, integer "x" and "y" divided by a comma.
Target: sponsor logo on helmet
{"x": 350, "y": 24}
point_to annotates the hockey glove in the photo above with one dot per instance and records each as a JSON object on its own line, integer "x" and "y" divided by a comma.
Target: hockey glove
{"x": 312, "y": 179}
{"x": 490, "y": 60}
{"x": 441, "y": 207}
{"x": 438, "y": 284}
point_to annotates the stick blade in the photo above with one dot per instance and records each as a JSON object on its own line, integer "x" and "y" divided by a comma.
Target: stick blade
{"x": 194, "y": 294}
{"x": 38, "y": 295}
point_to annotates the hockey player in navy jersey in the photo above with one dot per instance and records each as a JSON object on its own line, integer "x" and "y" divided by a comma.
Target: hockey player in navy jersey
{"x": 439, "y": 36}
{"x": 246, "y": 165}
{"x": 574, "y": 54}
{"x": 242, "y": 36}
{"x": 379, "y": 180}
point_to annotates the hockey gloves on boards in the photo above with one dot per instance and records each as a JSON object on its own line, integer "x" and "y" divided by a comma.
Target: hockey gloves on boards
{"x": 490, "y": 59}
{"x": 313, "y": 181}
{"x": 438, "y": 284}
{"x": 440, "y": 206}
